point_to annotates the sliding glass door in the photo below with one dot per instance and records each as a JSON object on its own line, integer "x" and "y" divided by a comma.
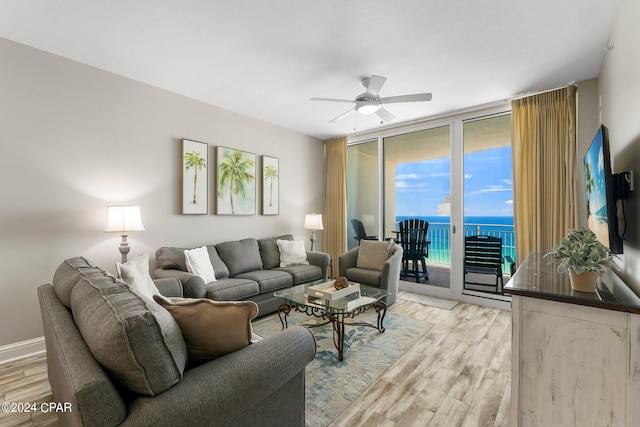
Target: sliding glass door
{"x": 417, "y": 184}
{"x": 488, "y": 194}
{"x": 453, "y": 173}
{"x": 363, "y": 199}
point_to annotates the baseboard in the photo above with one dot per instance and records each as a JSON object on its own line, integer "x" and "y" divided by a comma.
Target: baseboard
{"x": 21, "y": 349}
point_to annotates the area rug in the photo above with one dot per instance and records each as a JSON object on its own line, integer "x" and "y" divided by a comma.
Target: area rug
{"x": 427, "y": 300}
{"x": 331, "y": 384}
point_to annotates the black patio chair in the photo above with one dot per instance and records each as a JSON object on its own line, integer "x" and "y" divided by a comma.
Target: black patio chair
{"x": 412, "y": 237}
{"x": 358, "y": 227}
{"x": 483, "y": 255}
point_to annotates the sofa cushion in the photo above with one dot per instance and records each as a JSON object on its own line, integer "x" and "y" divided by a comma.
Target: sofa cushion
{"x": 169, "y": 258}
{"x": 230, "y": 289}
{"x": 268, "y": 280}
{"x": 199, "y": 263}
{"x": 292, "y": 252}
{"x": 240, "y": 256}
{"x": 210, "y": 328}
{"x": 302, "y": 273}
{"x": 373, "y": 254}
{"x": 364, "y": 275}
{"x": 218, "y": 265}
{"x": 269, "y": 251}
{"x": 133, "y": 338}
{"x": 70, "y": 272}
{"x": 135, "y": 273}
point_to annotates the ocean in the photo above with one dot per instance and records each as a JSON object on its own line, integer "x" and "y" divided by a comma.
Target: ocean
{"x": 439, "y": 228}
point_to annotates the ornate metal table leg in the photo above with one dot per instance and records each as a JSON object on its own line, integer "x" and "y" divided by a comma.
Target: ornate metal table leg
{"x": 283, "y": 312}
{"x": 338, "y": 334}
{"x": 381, "y": 309}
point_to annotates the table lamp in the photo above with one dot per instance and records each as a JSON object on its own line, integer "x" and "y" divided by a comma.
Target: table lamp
{"x": 313, "y": 222}
{"x": 123, "y": 219}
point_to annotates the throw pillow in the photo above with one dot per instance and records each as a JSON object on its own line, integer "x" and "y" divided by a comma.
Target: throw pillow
{"x": 199, "y": 263}
{"x": 137, "y": 342}
{"x": 211, "y": 328}
{"x": 135, "y": 273}
{"x": 373, "y": 254}
{"x": 292, "y": 252}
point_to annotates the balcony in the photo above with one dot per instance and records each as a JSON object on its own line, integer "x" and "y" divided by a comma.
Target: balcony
{"x": 439, "y": 260}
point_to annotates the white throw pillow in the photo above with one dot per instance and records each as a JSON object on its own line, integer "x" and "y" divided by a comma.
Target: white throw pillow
{"x": 135, "y": 273}
{"x": 199, "y": 263}
{"x": 292, "y": 252}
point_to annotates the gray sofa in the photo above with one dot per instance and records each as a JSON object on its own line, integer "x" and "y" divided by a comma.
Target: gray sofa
{"x": 247, "y": 269}
{"x": 119, "y": 359}
{"x": 387, "y": 277}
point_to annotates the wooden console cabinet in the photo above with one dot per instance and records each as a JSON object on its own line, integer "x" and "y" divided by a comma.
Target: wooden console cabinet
{"x": 575, "y": 356}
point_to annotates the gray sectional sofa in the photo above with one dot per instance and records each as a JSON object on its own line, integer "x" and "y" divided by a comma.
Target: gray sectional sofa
{"x": 247, "y": 269}
{"x": 120, "y": 359}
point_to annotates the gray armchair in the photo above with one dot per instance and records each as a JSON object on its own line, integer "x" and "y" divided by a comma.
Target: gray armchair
{"x": 386, "y": 278}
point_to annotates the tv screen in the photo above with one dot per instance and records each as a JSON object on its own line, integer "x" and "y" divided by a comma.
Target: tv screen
{"x": 600, "y": 185}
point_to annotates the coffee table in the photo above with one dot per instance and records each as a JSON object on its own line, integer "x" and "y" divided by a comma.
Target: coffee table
{"x": 335, "y": 312}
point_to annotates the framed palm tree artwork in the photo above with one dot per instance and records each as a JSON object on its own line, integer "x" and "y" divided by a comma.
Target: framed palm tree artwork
{"x": 194, "y": 177}
{"x": 270, "y": 186}
{"x": 235, "y": 181}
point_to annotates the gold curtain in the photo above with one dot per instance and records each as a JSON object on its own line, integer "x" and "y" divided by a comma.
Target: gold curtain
{"x": 544, "y": 156}
{"x": 334, "y": 236}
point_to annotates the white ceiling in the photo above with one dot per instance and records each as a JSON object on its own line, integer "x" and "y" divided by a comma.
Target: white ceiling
{"x": 265, "y": 59}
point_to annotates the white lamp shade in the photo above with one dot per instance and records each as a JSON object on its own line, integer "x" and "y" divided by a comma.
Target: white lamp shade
{"x": 313, "y": 222}
{"x": 124, "y": 218}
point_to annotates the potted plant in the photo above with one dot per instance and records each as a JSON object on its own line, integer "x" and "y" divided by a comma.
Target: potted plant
{"x": 583, "y": 256}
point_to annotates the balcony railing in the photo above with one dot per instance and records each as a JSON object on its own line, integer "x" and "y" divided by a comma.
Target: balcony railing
{"x": 440, "y": 248}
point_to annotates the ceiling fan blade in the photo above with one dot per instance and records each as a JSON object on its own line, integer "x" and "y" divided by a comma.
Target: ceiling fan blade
{"x": 349, "y": 101}
{"x": 342, "y": 116}
{"x": 418, "y": 97}
{"x": 385, "y": 115}
{"x": 375, "y": 84}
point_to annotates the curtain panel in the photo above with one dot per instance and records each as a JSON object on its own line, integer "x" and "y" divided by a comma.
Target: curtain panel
{"x": 544, "y": 155}
{"x": 334, "y": 236}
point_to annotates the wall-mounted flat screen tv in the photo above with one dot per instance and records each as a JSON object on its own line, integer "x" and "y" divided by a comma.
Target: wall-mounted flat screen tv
{"x": 601, "y": 189}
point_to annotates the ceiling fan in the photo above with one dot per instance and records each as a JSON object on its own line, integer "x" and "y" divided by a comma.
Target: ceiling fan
{"x": 369, "y": 101}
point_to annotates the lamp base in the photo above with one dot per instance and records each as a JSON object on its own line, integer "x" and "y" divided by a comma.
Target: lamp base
{"x": 313, "y": 239}
{"x": 124, "y": 248}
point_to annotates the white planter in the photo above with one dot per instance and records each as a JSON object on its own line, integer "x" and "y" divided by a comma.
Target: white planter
{"x": 584, "y": 282}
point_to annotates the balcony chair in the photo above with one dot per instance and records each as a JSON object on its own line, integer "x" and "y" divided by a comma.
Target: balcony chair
{"x": 415, "y": 246}
{"x": 358, "y": 227}
{"x": 483, "y": 255}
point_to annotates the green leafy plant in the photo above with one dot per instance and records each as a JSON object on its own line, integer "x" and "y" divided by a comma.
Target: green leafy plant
{"x": 581, "y": 251}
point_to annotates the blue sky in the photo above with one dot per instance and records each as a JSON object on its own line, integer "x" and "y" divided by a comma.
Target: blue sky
{"x": 421, "y": 186}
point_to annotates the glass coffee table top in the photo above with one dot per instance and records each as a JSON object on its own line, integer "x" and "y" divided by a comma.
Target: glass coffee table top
{"x": 300, "y": 295}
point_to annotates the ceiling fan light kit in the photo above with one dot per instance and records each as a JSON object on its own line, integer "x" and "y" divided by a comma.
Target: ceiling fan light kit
{"x": 367, "y": 107}
{"x": 370, "y": 102}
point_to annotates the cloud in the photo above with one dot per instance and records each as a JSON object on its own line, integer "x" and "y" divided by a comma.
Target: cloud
{"x": 467, "y": 176}
{"x": 493, "y": 188}
{"x": 508, "y": 202}
{"x": 402, "y": 176}
{"x": 414, "y": 186}
{"x": 508, "y": 182}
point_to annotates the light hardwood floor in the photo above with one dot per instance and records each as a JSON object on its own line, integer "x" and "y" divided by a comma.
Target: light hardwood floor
{"x": 457, "y": 374}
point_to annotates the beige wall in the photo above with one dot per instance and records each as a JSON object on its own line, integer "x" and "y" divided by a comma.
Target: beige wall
{"x": 619, "y": 86}
{"x": 588, "y": 123}
{"x": 76, "y": 139}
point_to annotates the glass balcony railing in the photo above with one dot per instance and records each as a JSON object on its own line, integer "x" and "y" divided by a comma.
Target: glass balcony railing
{"x": 439, "y": 234}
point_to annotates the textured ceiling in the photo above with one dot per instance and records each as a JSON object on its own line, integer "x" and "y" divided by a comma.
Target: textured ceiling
{"x": 265, "y": 59}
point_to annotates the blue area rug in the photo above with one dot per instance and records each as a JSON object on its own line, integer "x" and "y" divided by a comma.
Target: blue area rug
{"x": 331, "y": 384}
